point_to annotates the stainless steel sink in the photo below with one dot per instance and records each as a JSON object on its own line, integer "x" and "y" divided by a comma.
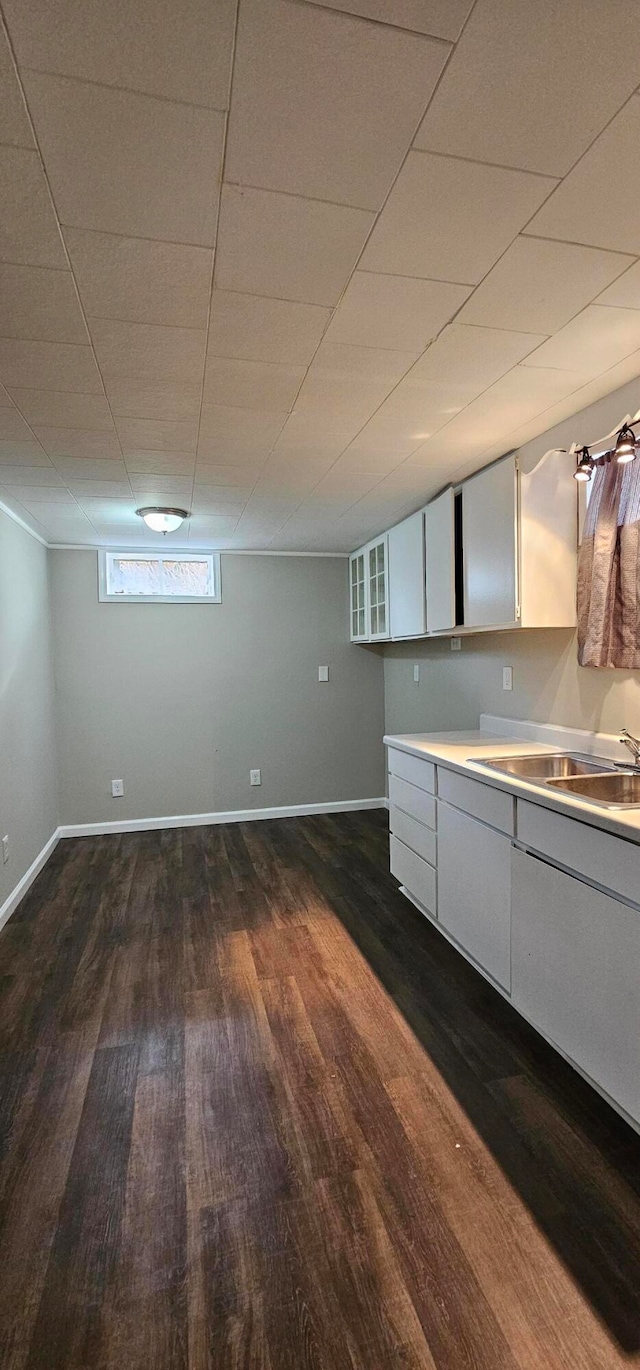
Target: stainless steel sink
{"x": 615, "y": 789}
{"x": 547, "y": 767}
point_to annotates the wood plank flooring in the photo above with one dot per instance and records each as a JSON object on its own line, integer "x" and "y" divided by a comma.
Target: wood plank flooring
{"x": 256, "y": 1114}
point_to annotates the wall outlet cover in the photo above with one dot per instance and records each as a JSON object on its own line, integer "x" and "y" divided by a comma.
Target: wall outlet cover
{"x": 255, "y": 777}
{"x": 117, "y": 788}
{"x": 456, "y": 644}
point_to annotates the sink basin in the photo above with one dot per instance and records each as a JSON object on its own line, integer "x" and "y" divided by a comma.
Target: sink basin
{"x": 547, "y": 767}
{"x": 616, "y": 789}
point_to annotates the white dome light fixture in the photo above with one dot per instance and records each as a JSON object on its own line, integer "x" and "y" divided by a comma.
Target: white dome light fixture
{"x": 162, "y": 520}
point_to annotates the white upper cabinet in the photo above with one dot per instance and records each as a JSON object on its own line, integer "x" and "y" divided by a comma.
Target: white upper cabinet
{"x": 407, "y": 617}
{"x": 489, "y": 516}
{"x": 358, "y": 597}
{"x": 378, "y": 588}
{"x": 440, "y": 562}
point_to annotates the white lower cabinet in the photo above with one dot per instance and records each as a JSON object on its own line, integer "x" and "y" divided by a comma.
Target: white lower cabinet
{"x": 474, "y": 889}
{"x": 417, "y": 876}
{"x": 576, "y": 964}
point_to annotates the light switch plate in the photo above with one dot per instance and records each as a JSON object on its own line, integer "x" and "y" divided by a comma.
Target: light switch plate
{"x": 323, "y": 672}
{"x": 416, "y": 674}
{"x": 507, "y": 677}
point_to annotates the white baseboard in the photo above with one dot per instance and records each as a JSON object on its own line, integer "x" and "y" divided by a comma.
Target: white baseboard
{"x": 11, "y": 904}
{"x": 197, "y": 820}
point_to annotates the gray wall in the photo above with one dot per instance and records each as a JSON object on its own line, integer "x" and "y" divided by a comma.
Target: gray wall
{"x": 181, "y": 701}
{"x": 27, "y": 742}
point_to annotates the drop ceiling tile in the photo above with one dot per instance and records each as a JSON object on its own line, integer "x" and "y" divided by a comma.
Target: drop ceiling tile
{"x": 341, "y": 360}
{"x": 158, "y": 434}
{"x": 29, "y": 232}
{"x": 517, "y": 90}
{"x": 440, "y": 18}
{"x": 229, "y": 424}
{"x": 220, "y": 494}
{"x": 598, "y": 338}
{"x": 250, "y": 384}
{"x": 25, "y": 476}
{"x": 127, "y": 163}
{"x": 14, "y": 120}
{"x": 62, "y": 409}
{"x": 40, "y": 303}
{"x": 13, "y": 427}
{"x": 91, "y": 468}
{"x": 320, "y": 437}
{"x": 593, "y": 204}
{"x": 255, "y": 328}
{"x": 48, "y": 366}
{"x": 625, "y": 292}
{"x": 469, "y": 359}
{"x": 152, "y": 400}
{"x": 148, "y": 352}
{"x": 394, "y": 311}
{"x": 25, "y": 453}
{"x": 324, "y": 105}
{"x": 33, "y": 495}
{"x": 151, "y": 46}
{"x": 285, "y": 246}
{"x": 366, "y": 460}
{"x": 210, "y": 506}
{"x": 78, "y": 442}
{"x": 105, "y": 489}
{"x": 208, "y": 473}
{"x": 345, "y": 381}
{"x": 168, "y": 463}
{"x": 154, "y": 494}
{"x": 140, "y": 280}
{"x": 539, "y": 285}
{"x": 178, "y": 486}
{"x": 212, "y": 526}
{"x": 450, "y": 220}
{"x": 248, "y": 454}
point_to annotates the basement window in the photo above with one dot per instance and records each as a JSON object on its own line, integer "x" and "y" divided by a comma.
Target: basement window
{"x": 156, "y": 578}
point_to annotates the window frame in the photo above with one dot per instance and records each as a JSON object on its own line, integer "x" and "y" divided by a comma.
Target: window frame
{"x": 174, "y": 554}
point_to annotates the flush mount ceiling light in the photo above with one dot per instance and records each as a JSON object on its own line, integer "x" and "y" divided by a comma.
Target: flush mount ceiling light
{"x": 584, "y": 469}
{"x": 625, "y": 448}
{"x": 161, "y": 520}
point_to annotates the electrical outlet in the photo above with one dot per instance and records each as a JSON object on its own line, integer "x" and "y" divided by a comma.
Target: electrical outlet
{"x": 416, "y": 674}
{"x": 507, "y": 677}
{"x": 5, "y": 850}
{"x": 117, "y": 788}
{"x": 255, "y": 777}
{"x": 323, "y": 672}
{"x": 456, "y": 644}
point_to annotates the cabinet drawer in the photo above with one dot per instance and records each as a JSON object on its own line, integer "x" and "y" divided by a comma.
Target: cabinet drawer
{"x": 482, "y": 801}
{"x": 417, "y": 803}
{"x": 414, "y": 835}
{"x": 414, "y": 873}
{"x": 598, "y": 856}
{"x": 412, "y": 768}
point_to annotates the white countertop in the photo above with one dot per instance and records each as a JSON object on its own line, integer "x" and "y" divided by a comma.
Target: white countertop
{"x": 465, "y": 751}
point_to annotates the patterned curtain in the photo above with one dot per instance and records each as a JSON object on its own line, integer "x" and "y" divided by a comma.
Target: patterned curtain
{"x": 609, "y": 570}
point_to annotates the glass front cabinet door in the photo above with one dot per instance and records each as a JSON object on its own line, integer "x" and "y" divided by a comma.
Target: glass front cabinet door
{"x": 358, "y": 593}
{"x": 377, "y": 586}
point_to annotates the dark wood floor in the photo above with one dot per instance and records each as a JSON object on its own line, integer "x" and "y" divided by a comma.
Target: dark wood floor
{"x": 257, "y": 1115}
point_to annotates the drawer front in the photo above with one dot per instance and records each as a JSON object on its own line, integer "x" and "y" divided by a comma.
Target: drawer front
{"x": 481, "y": 801}
{"x": 414, "y": 835}
{"x": 417, "y": 803}
{"x": 414, "y": 873}
{"x": 599, "y": 856}
{"x": 412, "y": 768}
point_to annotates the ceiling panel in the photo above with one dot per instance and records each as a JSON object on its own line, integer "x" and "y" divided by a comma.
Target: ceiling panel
{"x": 256, "y": 328}
{"x": 324, "y": 105}
{"x": 24, "y": 453}
{"x": 441, "y": 18}
{"x": 283, "y": 245}
{"x": 62, "y": 409}
{"x": 400, "y": 312}
{"x": 29, "y": 232}
{"x": 140, "y": 280}
{"x": 153, "y": 399}
{"x": 48, "y": 366}
{"x": 14, "y": 120}
{"x": 625, "y": 292}
{"x": 208, "y": 473}
{"x": 229, "y": 424}
{"x": 538, "y": 285}
{"x": 250, "y": 384}
{"x": 13, "y": 427}
{"x": 78, "y": 442}
{"x": 24, "y": 476}
{"x": 91, "y": 468}
{"x": 34, "y": 495}
{"x": 469, "y": 359}
{"x": 127, "y": 163}
{"x": 451, "y": 220}
{"x": 181, "y": 53}
{"x": 158, "y": 434}
{"x": 169, "y": 463}
{"x": 531, "y": 88}
{"x": 40, "y": 303}
{"x": 593, "y": 204}
{"x": 148, "y": 351}
{"x": 596, "y": 339}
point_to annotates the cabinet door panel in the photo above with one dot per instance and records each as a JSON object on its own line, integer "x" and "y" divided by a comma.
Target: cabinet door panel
{"x": 489, "y": 541}
{"x": 377, "y": 588}
{"x": 358, "y": 617}
{"x": 406, "y": 578}
{"x": 440, "y": 563}
{"x": 474, "y": 890}
{"x": 576, "y": 954}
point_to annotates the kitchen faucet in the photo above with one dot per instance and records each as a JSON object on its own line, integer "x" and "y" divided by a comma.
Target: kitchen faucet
{"x": 633, "y": 745}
